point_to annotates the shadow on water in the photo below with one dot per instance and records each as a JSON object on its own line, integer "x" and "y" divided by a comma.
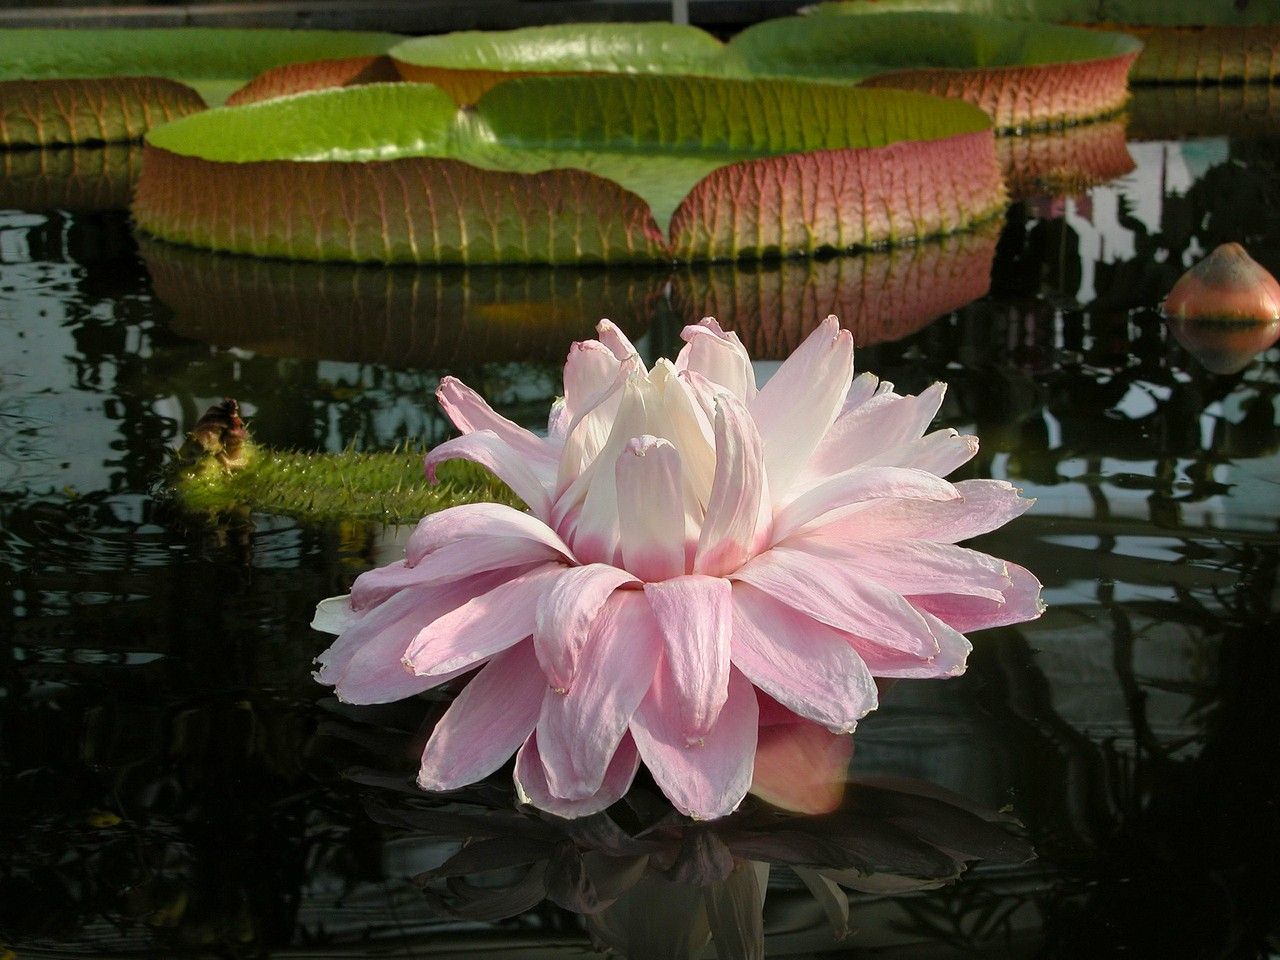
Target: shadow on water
{"x": 173, "y": 784}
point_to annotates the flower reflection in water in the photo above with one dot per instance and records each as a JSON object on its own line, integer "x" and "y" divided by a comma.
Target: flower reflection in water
{"x": 653, "y": 884}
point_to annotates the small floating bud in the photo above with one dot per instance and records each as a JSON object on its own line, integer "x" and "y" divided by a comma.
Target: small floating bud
{"x": 221, "y": 434}
{"x": 1225, "y": 310}
{"x": 1228, "y": 285}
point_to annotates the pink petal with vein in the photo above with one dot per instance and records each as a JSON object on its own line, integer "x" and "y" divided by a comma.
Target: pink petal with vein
{"x": 831, "y": 499}
{"x": 1021, "y": 603}
{"x": 470, "y": 412}
{"x": 613, "y": 338}
{"x": 492, "y": 716}
{"x": 737, "y": 511}
{"x": 565, "y": 615}
{"x": 363, "y": 663}
{"x": 983, "y": 506}
{"x": 880, "y": 423}
{"x": 456, "y": 561}
{"x": 473, "y": 520}
{"x": 487, "y": 449}
{"x": 718, "y": 356}
{"x": 489, "y": 624}
{"x": 807, "y": 666}
{"x": 841, "y": 598}
{"x": 800, "y": 402}
{"x": 651, "y": 516}
{"x": 695, "y": 618}
{"x": 532, "y": 787}
{"x": 580, "y": 729}
{"x": 705, "y": 780}
{"x": 913, "y": 566}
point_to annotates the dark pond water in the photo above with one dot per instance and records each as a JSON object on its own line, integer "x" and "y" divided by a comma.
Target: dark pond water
{"x": 173, "y": 784}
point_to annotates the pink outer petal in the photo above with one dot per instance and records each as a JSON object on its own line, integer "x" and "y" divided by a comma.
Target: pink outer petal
{"x": 363, "y": 663}
{"x": 489, "y": 624}
{"x": 829, "y": 500}
{"x": 913, "y": 566}
{"x": 802, "y": 767}
{"x": 455, "y": 561}
{"x": 589, "y": 430}
{"x": 565, "y": 615}
{"x": 469, "y": 413}
{"x": 489, "y": 450}
{"x": 880, "y": 423}
{"x": 800, "y": 402}
{"x": 737, "y": 512}
{"x": 334, "y": 615}
{"x": 807, "y": 666}
{"x": 863, "y": 388}
{"x": 706, "y": 780}
{"x": 651, "y": 520}
{"x": 532, "y": 787}
{"x": 475, "y": 520}
{"x": 1021, "y": 603}
{"x": 492, "y": 716}
{"x": 841, "y": 598}
{"x": 613, "y": 338}
{"x": 580, "y": 730}
{"x": 589, "y": 372}
{"x": 983, "y": 506}
{"x": 695, "y": 618}
{"x": 949, "y": 661}
{"x": 941, "y": 452}
{"x": 718, "y": 356}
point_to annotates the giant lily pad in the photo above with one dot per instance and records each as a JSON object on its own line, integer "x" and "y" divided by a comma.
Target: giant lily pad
{"x": 571, "y": 169}
{"x": 1185, "y": 40}
{"x": 1026, "y": 76}
{"x": 1023, "y": 75}
{"x": 107, "y": 86}
{"x": 445, "y": 318}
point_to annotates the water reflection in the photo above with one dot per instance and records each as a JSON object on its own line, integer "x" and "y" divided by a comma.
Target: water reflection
{"x": 78, "y": 179}
{"x": 441, "y": 317}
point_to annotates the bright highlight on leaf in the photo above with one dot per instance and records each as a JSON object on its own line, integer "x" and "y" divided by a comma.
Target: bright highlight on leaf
{"x": 571, "y": 170}
{"x": 698, "y": 550}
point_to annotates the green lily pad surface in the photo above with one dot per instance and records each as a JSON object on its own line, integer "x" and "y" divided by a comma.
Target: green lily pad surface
{"x": 571, "y": 169}
{"x": 103, "y": 86}
{"x": 1185, "y": 40}
{"x": 1060, "y": 74}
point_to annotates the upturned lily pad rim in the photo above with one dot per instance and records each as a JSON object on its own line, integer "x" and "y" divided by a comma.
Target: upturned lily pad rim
{"x": 1117, "y": 13}
{"x": 662, "y": 47}
{"x": 213, "y": 61}
{"x": 385, "y": 121}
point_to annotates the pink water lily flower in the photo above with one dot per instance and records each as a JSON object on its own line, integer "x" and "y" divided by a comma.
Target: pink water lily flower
{"x": 693, "y": 546}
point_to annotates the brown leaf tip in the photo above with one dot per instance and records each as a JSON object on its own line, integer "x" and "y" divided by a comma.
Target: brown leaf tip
{"x": 1228, "y": 285}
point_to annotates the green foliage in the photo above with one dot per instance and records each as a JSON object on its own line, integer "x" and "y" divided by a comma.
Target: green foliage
{"x": 386, "y": 487}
